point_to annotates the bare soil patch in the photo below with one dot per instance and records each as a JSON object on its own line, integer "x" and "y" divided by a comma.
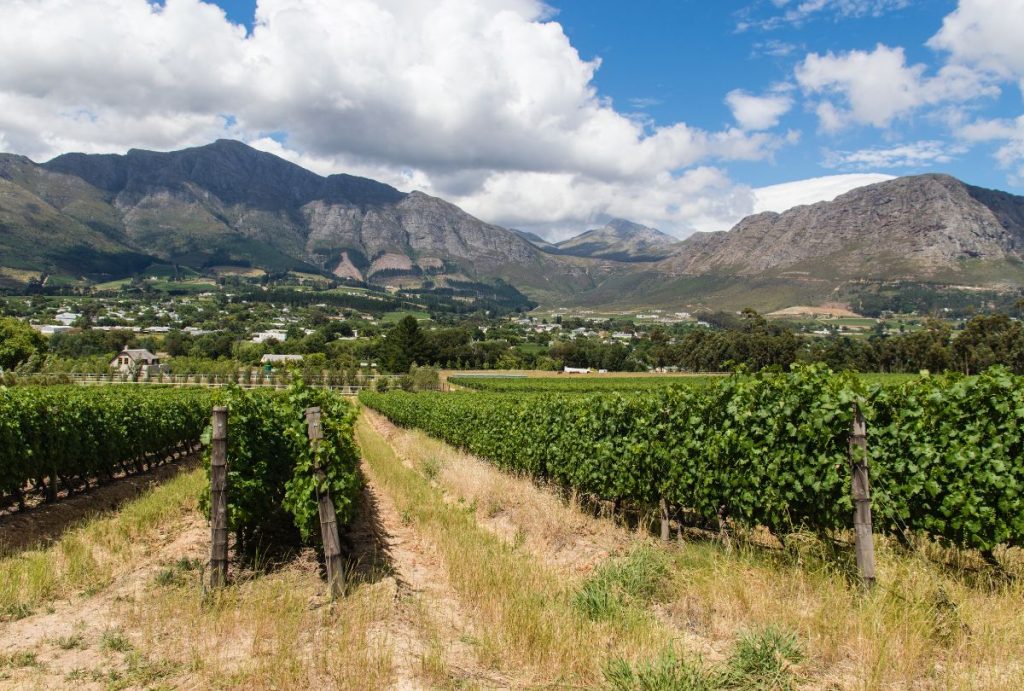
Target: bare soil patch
{"x": 43, "y": 523}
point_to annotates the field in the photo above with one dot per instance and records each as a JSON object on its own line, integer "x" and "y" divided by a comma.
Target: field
{"x": 556, "y": 382}
{"x": 462, "y": 571}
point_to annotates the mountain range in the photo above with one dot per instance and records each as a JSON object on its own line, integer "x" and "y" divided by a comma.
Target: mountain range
{"x": 100, "y": 216}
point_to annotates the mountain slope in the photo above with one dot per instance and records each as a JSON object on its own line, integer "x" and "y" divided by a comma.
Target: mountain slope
{"x": 228, "y": 203}
{"x": 52, "y": 222}
{"x": 619, "y": 240}
{"x": 927, "y": 227}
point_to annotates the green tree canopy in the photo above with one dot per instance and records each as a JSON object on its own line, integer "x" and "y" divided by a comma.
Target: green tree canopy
{"x": 18, "y": 342}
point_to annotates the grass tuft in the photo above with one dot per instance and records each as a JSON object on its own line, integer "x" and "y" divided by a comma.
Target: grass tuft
{"x": 667, "y": 672}
{"x": 763, "y": 660}
{"x": 636, "y": 579}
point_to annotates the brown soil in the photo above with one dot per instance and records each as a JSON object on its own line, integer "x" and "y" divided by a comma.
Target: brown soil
{"x": 75, "y": 634}
{"x": 44, "y": 523}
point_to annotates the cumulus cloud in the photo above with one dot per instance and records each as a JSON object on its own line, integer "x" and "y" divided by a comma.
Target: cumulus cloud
{"x": 757, "y": 112}
{"x": 922, "y": 154}
{"x": 876, "y": 87}
{"x": 985, "y": 34}
{"x": 454, "y": 97}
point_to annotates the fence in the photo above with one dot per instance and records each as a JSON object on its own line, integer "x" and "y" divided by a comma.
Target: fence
{"x": 340, "y": 383}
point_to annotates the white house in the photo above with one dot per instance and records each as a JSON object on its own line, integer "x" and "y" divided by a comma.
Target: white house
{"x": 274, "y": 359}
{"x": 264, "y": 336}
{"x": 576, "y": 370}
{"x": 135, "y": 360}
{"x": 67, "y": 318}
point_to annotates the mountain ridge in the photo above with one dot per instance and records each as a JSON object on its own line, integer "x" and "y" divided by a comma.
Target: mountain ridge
{"x": 227, "y": 203}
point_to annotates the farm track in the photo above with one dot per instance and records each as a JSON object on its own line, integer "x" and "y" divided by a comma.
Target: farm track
{"x": 430, "y": 620}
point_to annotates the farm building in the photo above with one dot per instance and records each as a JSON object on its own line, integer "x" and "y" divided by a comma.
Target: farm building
{"x": 131, "y": 360}
{"x": 273, "y": 359}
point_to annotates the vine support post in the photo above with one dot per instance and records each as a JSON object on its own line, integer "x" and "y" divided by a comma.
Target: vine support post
{"x": 219, "y": 498}
{"x": 665, "y": 526}
{"x": 865, "y": 544}
{"x": 328, "y": 519}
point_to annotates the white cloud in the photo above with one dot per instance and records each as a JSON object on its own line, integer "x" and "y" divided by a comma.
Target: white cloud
{"x": 877, "y": 87}
{"x": 447, "y": 95}
{"x": 798, "y": 12}
{"x": 757, "y": 112}
{"x": 1010, "y": 154}
{"x": 922, "y": 154}
{"x": 985, "y": 34}
{"x": 785, "y": 196}
{"x": 559, "y": 205}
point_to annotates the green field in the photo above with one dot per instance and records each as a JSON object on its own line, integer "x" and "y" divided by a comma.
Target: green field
{"x": 569, "y": 383}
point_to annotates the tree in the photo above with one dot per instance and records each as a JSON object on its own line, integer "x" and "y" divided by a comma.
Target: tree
{"x": 18, "y": 342}
{"x": 404, "y": 345}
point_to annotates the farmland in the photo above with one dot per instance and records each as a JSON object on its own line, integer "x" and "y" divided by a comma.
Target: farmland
{"x": 506, "y": 538}
{"x": 590, "y": 383}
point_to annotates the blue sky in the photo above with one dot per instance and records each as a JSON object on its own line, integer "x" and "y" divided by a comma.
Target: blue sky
{"x": 550, "y": 117}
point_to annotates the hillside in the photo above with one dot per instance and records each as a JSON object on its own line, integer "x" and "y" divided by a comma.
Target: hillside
{"x": 98, "y": 216}
{"x": 619, "y": 240}
{"x": 911, "y": 228}
{"x": 227, "y": 203}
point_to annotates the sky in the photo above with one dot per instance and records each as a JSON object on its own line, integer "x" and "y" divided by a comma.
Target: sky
{"x": 683, "y": 115}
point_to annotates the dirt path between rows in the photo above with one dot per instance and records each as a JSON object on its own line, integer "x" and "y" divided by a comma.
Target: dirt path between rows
{"x": 515, "y": 508}
{"x": 47, "y": 522}
{"x": 429, "y": 636}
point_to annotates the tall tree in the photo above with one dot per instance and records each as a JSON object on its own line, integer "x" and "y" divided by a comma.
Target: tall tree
{"x": 404, "y": 345}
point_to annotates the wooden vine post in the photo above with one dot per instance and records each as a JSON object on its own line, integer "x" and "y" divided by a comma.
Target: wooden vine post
{"x": 219, "y": 498}
{"x": 665, "y": 523}
{"x": 865, "y": 544}
{"x": 328, "y": 520}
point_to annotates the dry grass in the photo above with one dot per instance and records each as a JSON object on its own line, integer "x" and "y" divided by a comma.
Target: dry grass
{"x": 88, "y": 558}
{"x": 525, "y": 611}
{"x": 274, "y": 631}
{"x": 926, "y": 625}
{"x": 123, "y": 607}
{"x": 515, "y": 508}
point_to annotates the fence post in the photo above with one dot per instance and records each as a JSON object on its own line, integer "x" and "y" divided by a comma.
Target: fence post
{"x": 665, "y": 527}
{"x": 328, "y": 519}
{"x": 865, "y": 544}
{"x": 219, "y": 498}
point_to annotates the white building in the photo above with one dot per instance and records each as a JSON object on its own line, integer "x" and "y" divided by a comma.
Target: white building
{"x": 67, "y": 318}
{"x": 135, "y": 360}
{"x": 270, "y": 334}
{"x": 275, "y": 359}
{"x": 50, "y": 329}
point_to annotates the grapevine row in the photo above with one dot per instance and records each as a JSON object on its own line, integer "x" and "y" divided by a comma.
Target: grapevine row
{"x": 271, "y": 479}
{"x": 65, "y": 435}
{"x": 947, "y": 453}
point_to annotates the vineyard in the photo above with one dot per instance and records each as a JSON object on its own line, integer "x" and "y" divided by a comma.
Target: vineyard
{"x": 272, "y": 466}
{"x": 63, "y": 437}
{"x": 622, "y": 384}
{"x": 768, "y": 450}
{"x": 577, "y": 385}
{"x": 455, "y": 568}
